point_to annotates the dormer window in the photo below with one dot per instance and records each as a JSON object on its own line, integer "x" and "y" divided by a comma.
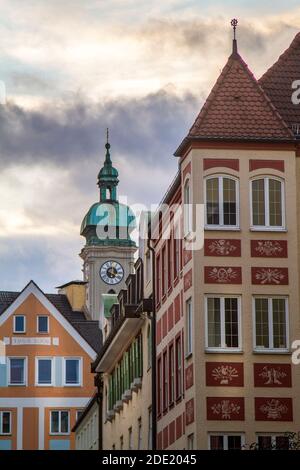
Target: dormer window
{"x": 19, "y": 324}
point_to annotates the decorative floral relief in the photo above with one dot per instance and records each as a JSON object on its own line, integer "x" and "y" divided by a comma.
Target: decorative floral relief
{"x": 269, "y": 276}
{"x": 189, "y": 410}
{"x": 222, "y": 275}
{"x": 274, "y": 409}
{"x": 189, "y": 376}
{"x": 225, "y": 409}
{"x": 272, "y": 375}
{"x": 222, "y": 247}
{"x": 224, "y": 374}
{"x": 268, "y": 248}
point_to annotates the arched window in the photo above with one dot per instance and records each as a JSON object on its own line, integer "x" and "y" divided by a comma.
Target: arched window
{"x": 267, "y": 200}
{"x": 149, "y": 347}
{"x": 187, "y": 213}
{"x": 221, "y": 202}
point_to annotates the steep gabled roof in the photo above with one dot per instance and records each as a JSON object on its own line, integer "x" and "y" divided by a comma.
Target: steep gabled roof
{"x": 237, "y": 108}
{"x": 87, "y": 329}
{"x": 277, "y": 83}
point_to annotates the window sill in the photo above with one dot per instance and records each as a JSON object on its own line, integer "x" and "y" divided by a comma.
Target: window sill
{"x": 44, "y": 385}
{"x": 222, "y": 228}
{"x": 17, "y": 385}
{"x": 272, "y": 351}
{"x": 268, "y": 229}
{"x": 223, "y": 351}
{"x": 72, "y": 385}
{"x": 59, "y": 434}
{"x": 19, "y": 332}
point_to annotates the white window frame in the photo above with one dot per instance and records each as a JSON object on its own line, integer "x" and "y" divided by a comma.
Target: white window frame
{"x": 225, "y": 438}
{"x": 267, "y": 227}
{"x": 37, "y": 359}
{"x": 270, "y": 349}
{"x": 190, "y": 441}
{"x": 59, "y": 433}
{"x": 1, "y": 423}
{"x": 189, "y": 327}
{"x": 24, "y": 330}
{"x": 37, "y": 325}
{"x": 221, "y": 225}
{"x": 64, "y": 371}
{"x": 223, "y": 348}
{"x": 24, "y": 384}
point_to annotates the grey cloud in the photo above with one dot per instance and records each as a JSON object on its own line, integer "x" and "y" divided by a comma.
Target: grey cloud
{"x": 147, "y": 129}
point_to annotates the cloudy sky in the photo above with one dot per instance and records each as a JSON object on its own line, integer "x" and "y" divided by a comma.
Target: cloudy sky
{"x": 70, "y": 69}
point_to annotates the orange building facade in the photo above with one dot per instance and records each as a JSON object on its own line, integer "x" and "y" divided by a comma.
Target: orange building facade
{"x": 45, "y": 379}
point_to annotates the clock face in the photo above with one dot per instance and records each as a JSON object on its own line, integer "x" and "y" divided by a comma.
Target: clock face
{"x": 111, "y": 272}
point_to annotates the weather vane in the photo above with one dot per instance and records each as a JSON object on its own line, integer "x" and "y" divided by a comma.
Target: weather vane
{"x": 234, "y": 24}
{"x": 107, "y": 135}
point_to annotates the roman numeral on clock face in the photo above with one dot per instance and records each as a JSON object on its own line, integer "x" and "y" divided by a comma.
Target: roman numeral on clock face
{"x": 111, "y": 272}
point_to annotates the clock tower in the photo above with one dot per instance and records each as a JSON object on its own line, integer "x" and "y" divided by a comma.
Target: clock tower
{"x": 108, "y": 254}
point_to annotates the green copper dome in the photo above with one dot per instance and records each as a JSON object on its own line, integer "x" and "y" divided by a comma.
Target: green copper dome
{"x": 108, "y": 222}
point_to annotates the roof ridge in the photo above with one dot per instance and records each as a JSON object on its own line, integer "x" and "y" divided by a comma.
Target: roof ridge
{"x": 282, "y": 56}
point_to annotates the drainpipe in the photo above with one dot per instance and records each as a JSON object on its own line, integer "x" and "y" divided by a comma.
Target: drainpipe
{"x": 153, "y": 341}
{"x": 99, "y": 385}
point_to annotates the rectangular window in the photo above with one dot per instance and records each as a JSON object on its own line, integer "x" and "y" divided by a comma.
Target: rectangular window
{"x": 164, "y": 271}
{"x": 60, "y": 422}
{"x": 176, "y": 246}
{"x": 170, "y": 261}
{"x": 165, "y": 380}
{"x": 190, "y": 442}
{"x": 139, "y": 433}
{"x": 44, "y": 371}
{"x": 273, "y": 442}
{"x": 130, "y": 439}
{"x": 271, "y": 323}
{"x": 79, "y": 413}
{"x": 158, "y": 279}
{"x": 178, "y": 355}
{"x": 5, "y": 423}
{"x": 171, "y": 374}
{"x": 19, "y": 324}
{"x": 267, "y": 203}
{"x": 149, "y": 428}
{"x": 189, "y": 328}
{"x": 221, "y": 202}
{"x": 42, "y": 324}
{"x": 17, "y": 371}
{"x": 226, "y": 442}
{"x": 159, "y": 386}
{"x": 121, "y": 442}
{"x": 148, "y": 266}
{"x": 72, "y": 371}
{"x": 223, "y": 328}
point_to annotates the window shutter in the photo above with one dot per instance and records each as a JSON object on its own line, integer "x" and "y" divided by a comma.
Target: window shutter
{"x": 3, "y": 373}
{"x": 58, "y": 368}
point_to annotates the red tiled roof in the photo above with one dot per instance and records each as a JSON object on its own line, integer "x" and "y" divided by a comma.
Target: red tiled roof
{"x": 237, "y": 108}
{"x": 277, "y": 82}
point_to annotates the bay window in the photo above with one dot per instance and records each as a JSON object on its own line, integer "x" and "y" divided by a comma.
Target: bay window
{"x": 270, "y": 324}
{"x": 223, "y": 323}
{"x": 221, "y": 202}
{"x": 267, "y": 197}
